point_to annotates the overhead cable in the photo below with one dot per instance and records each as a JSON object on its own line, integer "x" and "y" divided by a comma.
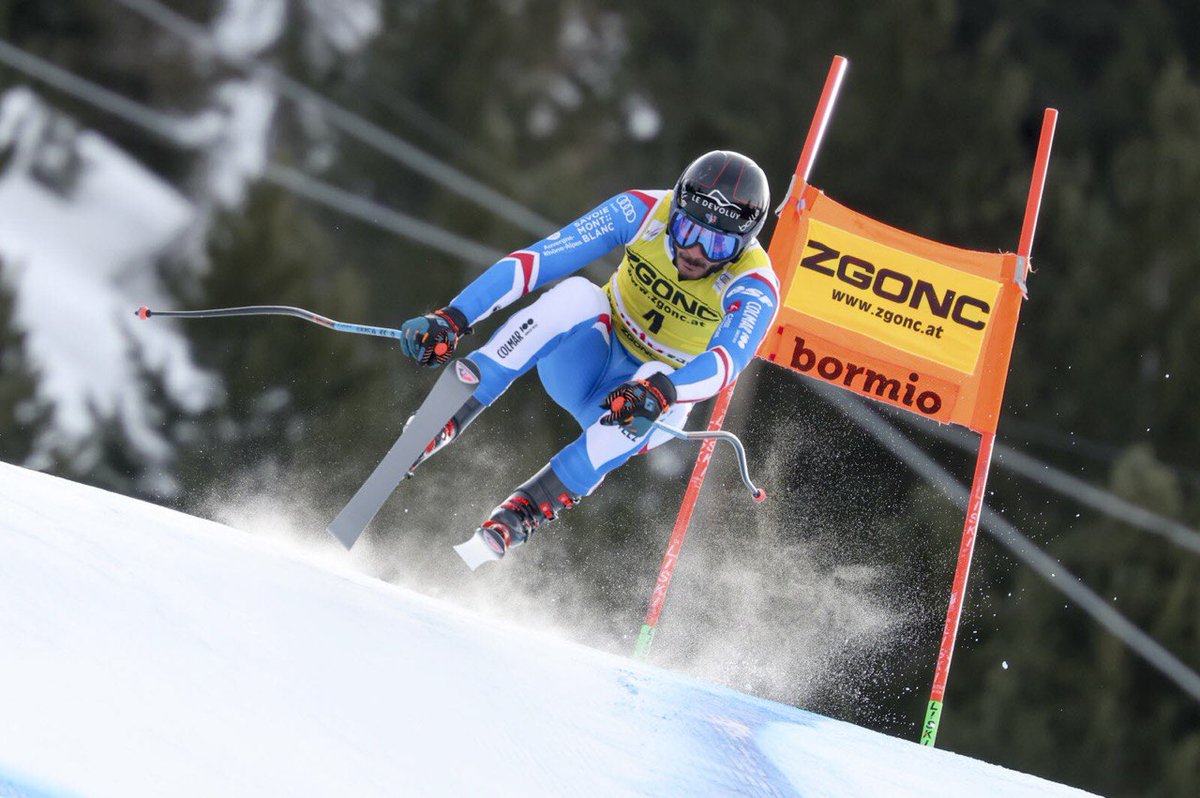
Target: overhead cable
{"x": 1072, "y": 487}
{"x": 1008, "y": 536}
{"x": 162, "y": 125}
{"x": 373, "y": 213}
{"x": 178, "y": 133}
{"x": 1035, "y": 433}
{"x": 349, "y": 122}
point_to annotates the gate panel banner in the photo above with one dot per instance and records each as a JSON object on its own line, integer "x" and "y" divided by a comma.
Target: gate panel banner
{"x": 889, "y": 315}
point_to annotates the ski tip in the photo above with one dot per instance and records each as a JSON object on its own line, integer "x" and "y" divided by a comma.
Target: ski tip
{"x": 476, "y": 551}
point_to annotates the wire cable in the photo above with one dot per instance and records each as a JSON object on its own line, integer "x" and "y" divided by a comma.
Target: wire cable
{"x": 1072, "y": 487}
{"x": 162, "y": 125}
{"x": 1074, "y": 444}
{"x": 1008, "y": 536}
{"x": 401, "y": 224}
{"x": 349, "y": 122}
{"x": 175, "y": 131}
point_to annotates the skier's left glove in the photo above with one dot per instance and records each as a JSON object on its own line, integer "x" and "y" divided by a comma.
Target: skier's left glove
{"x": 637, "y": 404}
{"x": 431, "y": 339}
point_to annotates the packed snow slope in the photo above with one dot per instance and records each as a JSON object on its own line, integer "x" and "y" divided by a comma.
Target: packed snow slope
{"x": 148, "y": 653}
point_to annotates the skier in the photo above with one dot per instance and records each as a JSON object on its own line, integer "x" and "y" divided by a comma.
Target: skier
{"x": 682, "y": 315}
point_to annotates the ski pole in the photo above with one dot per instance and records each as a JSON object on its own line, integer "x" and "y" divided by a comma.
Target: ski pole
{"x": 757, "y": 493}
{"x": 273, "y": 310}
{"x": 795, "y": 193}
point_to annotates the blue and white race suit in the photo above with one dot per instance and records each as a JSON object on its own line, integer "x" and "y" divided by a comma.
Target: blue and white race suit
{"x": 586, "y": 340}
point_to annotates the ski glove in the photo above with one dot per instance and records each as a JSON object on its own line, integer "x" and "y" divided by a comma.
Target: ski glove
{"x": 431, "y": 339}
{"x": 637, "y": 404}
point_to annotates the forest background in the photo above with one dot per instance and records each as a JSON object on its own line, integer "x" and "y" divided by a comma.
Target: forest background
{"x": 832, "y": 596}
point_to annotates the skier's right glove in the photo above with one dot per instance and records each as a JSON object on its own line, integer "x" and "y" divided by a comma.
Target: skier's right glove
{"x": 431, "y": 339}
{"x": 637, "y": 404}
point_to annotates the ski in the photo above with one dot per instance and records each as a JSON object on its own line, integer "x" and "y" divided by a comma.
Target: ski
{"x": 452, "y": 389}
{"x": 475, "y": 551}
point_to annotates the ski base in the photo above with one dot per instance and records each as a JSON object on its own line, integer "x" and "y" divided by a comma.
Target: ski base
{"x": 452, "y": 389}
{"x": 476, "y": 551}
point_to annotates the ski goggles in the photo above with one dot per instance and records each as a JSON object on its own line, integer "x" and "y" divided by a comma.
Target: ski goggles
{"x": 717, "y": 246}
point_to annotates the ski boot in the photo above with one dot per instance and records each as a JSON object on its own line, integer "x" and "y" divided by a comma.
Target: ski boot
{"x": 465, "y": 415}
{"x": 536, "y": 502}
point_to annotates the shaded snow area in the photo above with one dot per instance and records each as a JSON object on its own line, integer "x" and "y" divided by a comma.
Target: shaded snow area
{"x": 80, "y": 222}
{"x": 247, "y": 28}
{"x": 149, "y": 653}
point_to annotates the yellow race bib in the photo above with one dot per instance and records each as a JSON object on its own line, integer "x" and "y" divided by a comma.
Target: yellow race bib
{"x": 657, "y": 315}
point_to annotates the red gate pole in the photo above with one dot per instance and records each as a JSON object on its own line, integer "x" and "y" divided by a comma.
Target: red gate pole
{"x": 808, "y": 155}
{"x": 933, "y": 713}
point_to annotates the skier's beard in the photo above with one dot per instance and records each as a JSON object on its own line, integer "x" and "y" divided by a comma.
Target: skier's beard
{"x": 692, "y": 265}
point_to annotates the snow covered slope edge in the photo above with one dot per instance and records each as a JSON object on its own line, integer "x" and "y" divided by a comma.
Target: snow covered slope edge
{"x": 146, "y": 652}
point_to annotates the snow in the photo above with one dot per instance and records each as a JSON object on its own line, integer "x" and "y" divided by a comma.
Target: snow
{"x": 80, "y": 258}
{"x": 346, "y": 24}
{"x": 248, "y": 28}
{"x": 240, "y": 154}
{"x": 245, "y": 28}
{"x": 150, "y": 653}
{"x": 641, "y": 118}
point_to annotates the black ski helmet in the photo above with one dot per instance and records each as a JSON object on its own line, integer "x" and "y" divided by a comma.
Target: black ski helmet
{"x": 725, "y": 191}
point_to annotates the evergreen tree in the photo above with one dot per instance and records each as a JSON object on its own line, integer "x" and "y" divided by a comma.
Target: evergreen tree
{"x": 1132, "y": 731}
{"x": 24, "y": 416}
{"x": 123, "y": 52}
{"x": 297, "y": 399}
